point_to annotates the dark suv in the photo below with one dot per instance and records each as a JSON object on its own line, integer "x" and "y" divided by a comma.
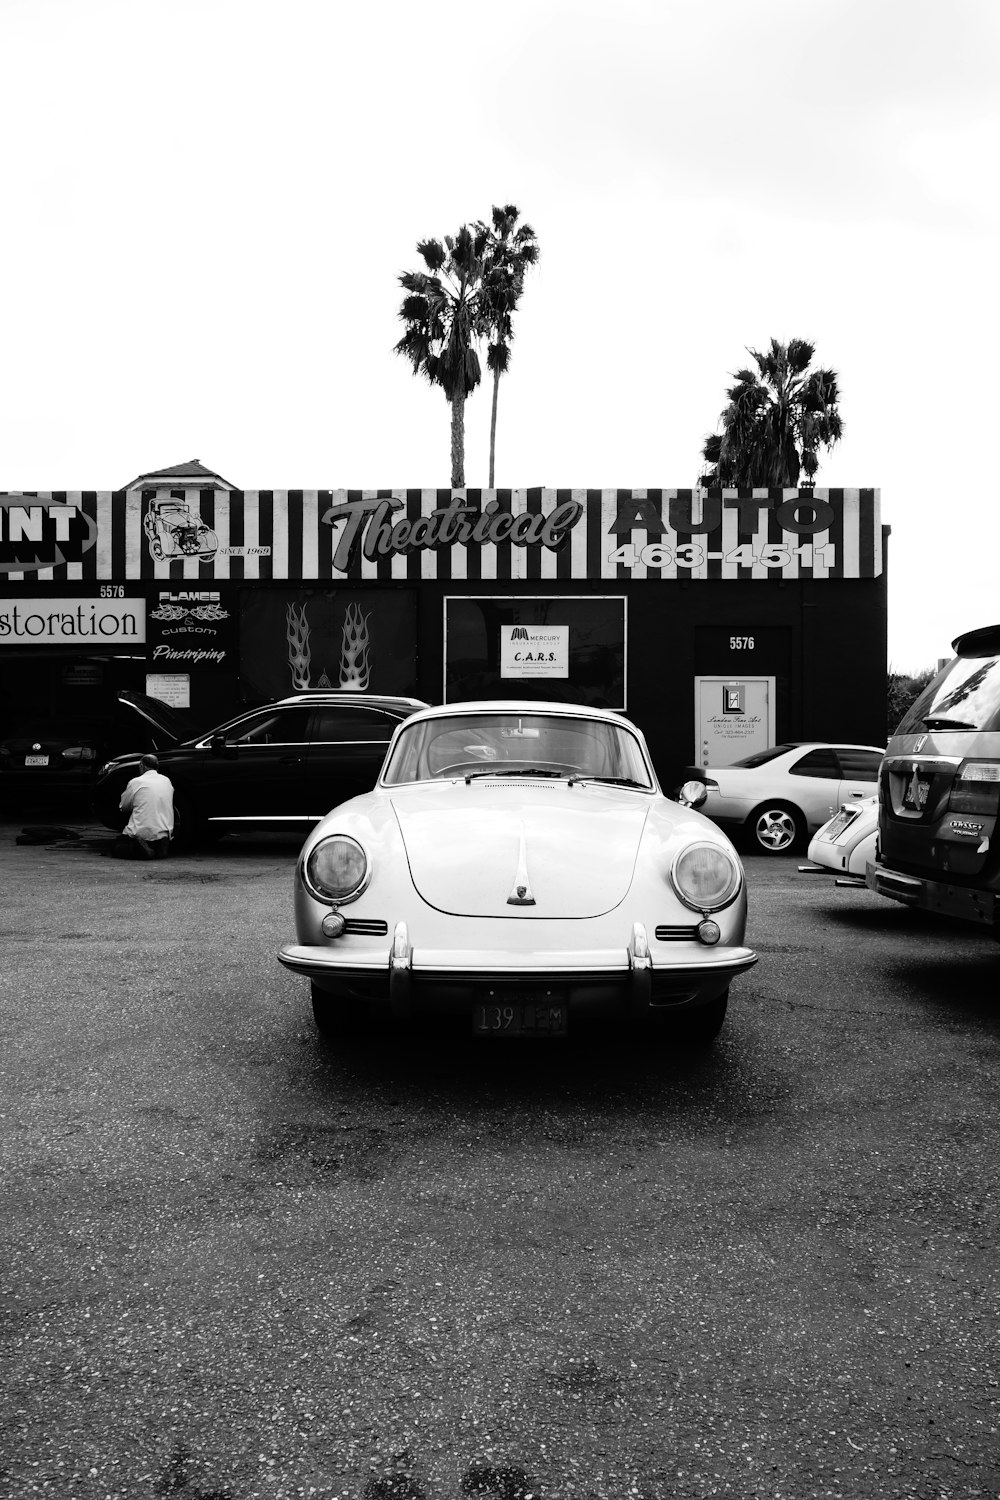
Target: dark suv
{"x": 939, "y": 792}
{"x": 281, "y": 764}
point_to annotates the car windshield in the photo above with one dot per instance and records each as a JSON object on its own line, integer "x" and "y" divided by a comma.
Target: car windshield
{"x": 966, "y": 695}
{"x": 517, "y": 744}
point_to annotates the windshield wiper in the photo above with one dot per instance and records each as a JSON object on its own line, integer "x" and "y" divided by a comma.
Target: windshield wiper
{"x": 522, "y": 771}
{"x": 933, "y": 723}
{"x": 611, "y": 781}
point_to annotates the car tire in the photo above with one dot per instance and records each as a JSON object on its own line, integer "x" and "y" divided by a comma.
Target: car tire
{"x": 702, "y": 1025}
{"x": 336, "y": 1020}
{"x": 189, "y": 829}
{"x": 694, "y": 1027}
{"x": 776, "y": 828}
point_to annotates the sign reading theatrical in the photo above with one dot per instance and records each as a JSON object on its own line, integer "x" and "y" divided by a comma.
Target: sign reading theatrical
{"x": 68, "y": 622}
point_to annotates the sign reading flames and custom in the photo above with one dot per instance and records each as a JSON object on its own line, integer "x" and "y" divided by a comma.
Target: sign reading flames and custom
{"x": 190, "y": 628}
{"x": 516, "y": 534}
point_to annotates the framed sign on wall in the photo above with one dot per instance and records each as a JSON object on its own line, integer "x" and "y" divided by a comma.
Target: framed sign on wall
{"x": 571, "y": 649}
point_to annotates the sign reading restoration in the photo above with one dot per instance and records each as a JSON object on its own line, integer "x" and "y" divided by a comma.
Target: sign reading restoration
{"x": 69, "y": 622}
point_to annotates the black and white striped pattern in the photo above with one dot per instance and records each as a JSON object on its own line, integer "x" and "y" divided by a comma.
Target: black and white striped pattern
{"x": 279, "y": 534}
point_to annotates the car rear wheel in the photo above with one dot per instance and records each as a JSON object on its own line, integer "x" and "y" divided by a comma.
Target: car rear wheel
{"x": 776, "y": 828}
{"x": 335, "y": 1019}
{"x": 189, "y": 829}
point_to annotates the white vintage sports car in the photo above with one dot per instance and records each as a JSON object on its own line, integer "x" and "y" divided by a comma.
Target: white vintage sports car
{"x": 517, "y": 868}
{"x": 847, "y": 842}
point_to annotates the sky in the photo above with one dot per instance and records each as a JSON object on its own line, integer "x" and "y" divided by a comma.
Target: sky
{"x": 208, "y": 204}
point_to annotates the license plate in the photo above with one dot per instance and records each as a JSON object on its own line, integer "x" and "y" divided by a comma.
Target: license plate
{"x": 36, "y": 760}
{"x": 521, "y": 1017}
{"x": 916, "y": 794}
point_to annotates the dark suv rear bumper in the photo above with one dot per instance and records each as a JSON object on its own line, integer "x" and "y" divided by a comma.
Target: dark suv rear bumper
{"x": 962, "y": 901}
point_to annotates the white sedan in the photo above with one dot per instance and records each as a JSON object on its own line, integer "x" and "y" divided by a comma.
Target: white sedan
{"x": 779, "y": 797}
{"x": 517, "y": 870}
{"x": 847, "y": 841}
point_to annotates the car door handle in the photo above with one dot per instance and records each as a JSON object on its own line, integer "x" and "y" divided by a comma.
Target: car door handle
{"x": 290, "y": 760}
{"x": 855, "y": 794}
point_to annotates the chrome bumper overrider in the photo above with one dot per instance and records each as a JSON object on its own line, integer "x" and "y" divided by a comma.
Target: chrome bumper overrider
{"x": 405, "y": 963}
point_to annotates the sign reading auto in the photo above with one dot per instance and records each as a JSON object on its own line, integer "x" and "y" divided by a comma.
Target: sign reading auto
{"x": 37, "y": 534}
{"x": 67, "y": 622}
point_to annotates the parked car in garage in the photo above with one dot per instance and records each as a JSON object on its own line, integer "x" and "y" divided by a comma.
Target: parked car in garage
{"x": 36, "y": 753}
{"x": 779, "y": 796}
{"x": 846, "y": 842}
{"x": 283, "y": 763}
{"x": 62, "y": 750}
{"x": 518, "y": 871}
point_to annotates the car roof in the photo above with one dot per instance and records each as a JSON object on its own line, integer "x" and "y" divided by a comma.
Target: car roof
{"x": 335, "y": 698}
{"x": 525, "y": 706}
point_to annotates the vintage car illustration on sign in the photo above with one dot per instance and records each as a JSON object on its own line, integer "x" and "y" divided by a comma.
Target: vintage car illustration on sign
{"x": 174, "y": 530}
{"x": 517, "y": 870}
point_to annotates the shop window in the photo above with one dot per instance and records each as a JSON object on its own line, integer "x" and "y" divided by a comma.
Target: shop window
{"x": 565, "y": 649}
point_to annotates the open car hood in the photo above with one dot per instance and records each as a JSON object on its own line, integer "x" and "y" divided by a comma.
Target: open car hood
{"x": 521, "y": 848}
{"x": 168, "y": 722}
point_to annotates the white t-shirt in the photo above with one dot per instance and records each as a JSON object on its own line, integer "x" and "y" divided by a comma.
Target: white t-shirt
{"x": 149, "y": 799}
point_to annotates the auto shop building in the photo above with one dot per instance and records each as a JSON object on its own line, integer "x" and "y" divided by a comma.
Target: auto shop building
{"x": 718, "y": 620}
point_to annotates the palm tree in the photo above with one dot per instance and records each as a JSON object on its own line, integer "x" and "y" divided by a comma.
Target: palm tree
{"x": 511, "y": 249}
{"x": 778, "y": 418}
{"x": 444, "y": 319}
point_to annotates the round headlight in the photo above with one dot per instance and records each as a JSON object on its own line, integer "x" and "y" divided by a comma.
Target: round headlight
{"x": 337, "y": 869}
{"x": 705, "y": 877}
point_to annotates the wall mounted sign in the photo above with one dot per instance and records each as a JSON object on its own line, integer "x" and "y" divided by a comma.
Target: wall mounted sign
{"x": 173, "y": 688}
{"x": 43, "y": 531}
{"x": 97, "y": 623}
{"x": 201, "y": 536}
{"x": 190, "y": 627}
{"x": 534, "y": 650}
{"x": 577, "y": 645}
{"x": 292, "y": 640}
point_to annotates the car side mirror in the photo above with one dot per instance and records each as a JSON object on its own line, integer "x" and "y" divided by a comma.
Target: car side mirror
{"x": 691, "y": 794}
{"x": 218, "y": 744}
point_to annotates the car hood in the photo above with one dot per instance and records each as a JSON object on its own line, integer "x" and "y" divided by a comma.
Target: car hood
{"x": 170, "y": 724}
{"x": 518, "y": 848}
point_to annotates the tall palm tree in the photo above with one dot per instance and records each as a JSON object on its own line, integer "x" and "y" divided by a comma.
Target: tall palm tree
{"x": 777, "y": 420}
{"x": 511, "y": 248}
{"x": 444, "y": 319}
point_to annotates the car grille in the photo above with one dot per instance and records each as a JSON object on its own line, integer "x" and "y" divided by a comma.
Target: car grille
{"x": 366, "y": 927}
{"x": 675, "y": 934}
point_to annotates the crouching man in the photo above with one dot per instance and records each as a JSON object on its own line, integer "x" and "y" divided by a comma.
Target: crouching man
{"x": 149, "y": 801}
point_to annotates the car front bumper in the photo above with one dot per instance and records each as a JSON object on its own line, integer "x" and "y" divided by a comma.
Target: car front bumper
{"x": 962, "y": 901}
{"x": 409, "y": 978}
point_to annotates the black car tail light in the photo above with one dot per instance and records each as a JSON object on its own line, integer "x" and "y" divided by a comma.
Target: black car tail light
{"x": 976, "y": 788}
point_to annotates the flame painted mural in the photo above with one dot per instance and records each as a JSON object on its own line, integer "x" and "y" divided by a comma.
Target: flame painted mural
{"x": 295, "y": 640}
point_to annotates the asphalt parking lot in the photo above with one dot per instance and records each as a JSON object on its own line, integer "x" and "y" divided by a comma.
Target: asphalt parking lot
{"x": 240, "y": 1263}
